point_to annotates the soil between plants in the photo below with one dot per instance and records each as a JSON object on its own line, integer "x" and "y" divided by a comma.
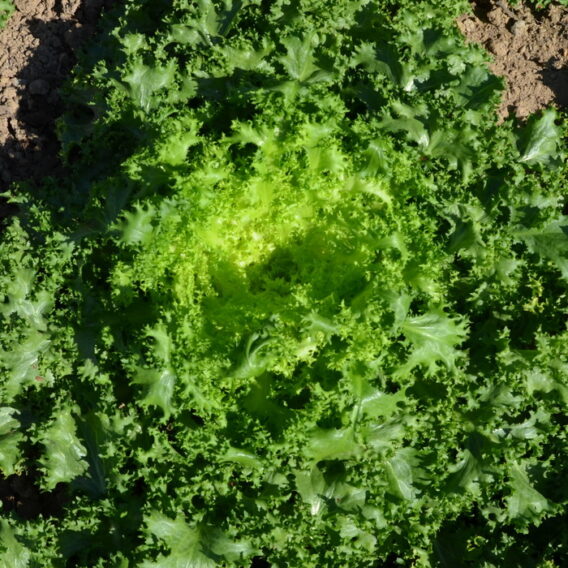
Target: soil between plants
{"x": 529, "y": 50}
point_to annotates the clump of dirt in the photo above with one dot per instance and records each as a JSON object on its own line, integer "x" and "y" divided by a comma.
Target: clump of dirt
{"x": 530, "y": 50}
{"x": 37, "y": 51}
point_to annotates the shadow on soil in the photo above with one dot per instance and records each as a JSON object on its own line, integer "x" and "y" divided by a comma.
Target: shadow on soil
{"x": 557, "y": 80}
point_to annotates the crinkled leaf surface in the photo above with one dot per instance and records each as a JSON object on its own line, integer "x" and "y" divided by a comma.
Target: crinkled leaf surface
{"x": 539, "y": 143}
{"x": 64, "y": 457}
{"x": 10, "y": 437}
{"x": 13, "y": 554}
{"x": 199, "y": 547}
{"x": 525, "y": 503}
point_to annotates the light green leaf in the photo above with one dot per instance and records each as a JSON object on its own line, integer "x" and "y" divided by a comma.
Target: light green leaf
{"x": 550, "y": 242}
{"x": 399, "y": 475}
{"x": 366, "y": 56}
{"x": 137, "y": 225}
{"x": 209, "y": 23}
{"x": 34, "y": 311}
{"x": 242, "y": 457}
{"x": 539, "y": 142}
{"x": 380, "y": 190}
{"x": 218, "y": 23}
{"x": 12, "y": 553}
{"x": 160, "y": 383}
{"x": 299, "y": 61}
{"x": 452, "y": 146}
{"x": 192, "y": 547}
{"x": 183, "y": 541}
{"x": 144, "y": 81}
{"x": 465, "y": 475}
{"x": 222, "y": 546}
{"x": 22, "y": 361}
{"x": 208, "y": 20}
{"x": 525, "y": 502}
{"x": 64, "y": 455}
{"x": 331, "y": 444}
{"x": 377, "y": 404}
{"x": 6, "y": 9}
{"x": 313, "y": 490}
{"x": 10, "y": 437}
{"x": 133, "y": 43}
{"x": 383, "y": 436}
{"x": 414, "y": 129}
{"x": 173, "y": 151}
{"x": 163, "y": 347}
{"x": 356, "y": 536}
{"x": 434, "y": 336}
{"x": 371, "y": 401}
{"x": 248, "y": 58}
{"x": 181, "y": 33}
{"x": 350, "y": 498}
{"x": 325, "y": 159}
{"x": 17, "y": 290}
{"x": 382, "y": 58}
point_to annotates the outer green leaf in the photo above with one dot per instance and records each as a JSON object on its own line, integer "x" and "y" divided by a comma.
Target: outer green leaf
{"x": 539, "y": 143}
{"x": 160, "y": 383}
{"x": 18, "y": 289}
{"x": 22, "y": 360}
{"x": 6, "y": 10}
{"x": 17, "y": 300}
{"x": 144, "y": 81}
{"x": 242, "y": 457}
{"x": 434, "y": 336}
{"x": 10, "y": 437}
{"x": 465, "y": 474}
{"x": 312, "y": 488}
{"x": 299, "y": 61}
{"x": 192, "y": 547}
{"x": 376, "y": 403}
{"x": 184, "y": 542}
{"x": 525, "y": 503}
{"x": 64, "y": 455}
{"x": 550, "y": 242}
{"x": 12, "y": 553}
{"x": 137, "y": 226}
{"x": 331, "y": 444}
{"x": 399, "y": 474}
{"x": 414, "y": 129}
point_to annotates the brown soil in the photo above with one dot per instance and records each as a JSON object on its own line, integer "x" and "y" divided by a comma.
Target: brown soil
{"x": 37, "y": 51}
{"x": 529, "y": 50}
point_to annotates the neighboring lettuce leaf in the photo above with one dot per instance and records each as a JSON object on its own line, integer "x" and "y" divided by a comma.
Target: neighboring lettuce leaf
{"x": 6, "y": 10}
